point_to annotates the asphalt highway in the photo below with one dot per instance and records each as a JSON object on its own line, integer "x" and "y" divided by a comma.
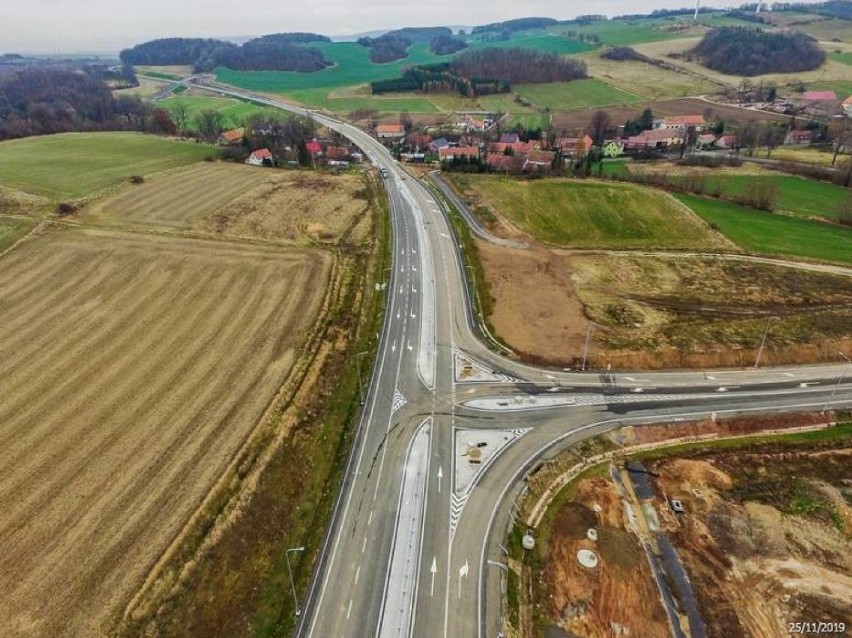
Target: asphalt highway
{"x": 413, "y": 549}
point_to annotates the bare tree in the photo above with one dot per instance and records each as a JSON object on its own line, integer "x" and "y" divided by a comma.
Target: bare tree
{"x": 180, "y": 116}
{"x": 840, "y": 132}
{"x": 210, "y": 124}
{"x": 599, "y": 126}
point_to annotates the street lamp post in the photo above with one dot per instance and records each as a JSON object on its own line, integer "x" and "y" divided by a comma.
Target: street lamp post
{"x": 592, "y": 326}
{"x": 763, "y": 341}
{"x": 360, "y": 384}
{"x": 292, "y": 584}
{"x": 838, "y": 384}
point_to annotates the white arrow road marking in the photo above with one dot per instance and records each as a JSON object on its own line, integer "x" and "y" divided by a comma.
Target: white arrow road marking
{"x": 440, "y": 476}
{"x": 434, "y": 571}
{"x": 393, "y": 347}
{"x": 463, "y": 571}
{"x": 410, "y": 347}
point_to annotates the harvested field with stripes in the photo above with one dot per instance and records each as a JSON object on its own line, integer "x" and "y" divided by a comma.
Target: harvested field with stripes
{"x": 232, "y": 200}
{"x": 134, "y": 368}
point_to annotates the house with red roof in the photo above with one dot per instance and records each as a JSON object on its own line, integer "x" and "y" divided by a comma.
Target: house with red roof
{"x": 819, "y": 96}
{"x": 390, "y": 131}
{"x": 538, "y": 160}
{"x": 259, "y": 156}
{"x": 799, "y": 137}
{"x": 314, "y": 148}
{"x": 569, "y": 146}
{"x": 229, "y": 138}
{"x": 340, "y": 153}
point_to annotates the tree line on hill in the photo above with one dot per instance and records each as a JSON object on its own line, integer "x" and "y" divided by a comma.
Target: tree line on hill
{"x": 386, "y": 48}
{"x": 44, "y": 100}
{"x": 485, "y": 72}
{"x": 275, "y": 52}
{"x": 749, "y": 52}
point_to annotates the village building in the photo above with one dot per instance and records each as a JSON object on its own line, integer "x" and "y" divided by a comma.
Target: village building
{"x": 799, "y": 137}
{"x": 232, "y": 137}
{"x": 655, "y": 139}
{"x": 681, "y": 123}
{"x": 260, "y": 157}
{"x": 390, "y": 131}
{"x": 575, "y": 147}
{"x": 613, "y": 148}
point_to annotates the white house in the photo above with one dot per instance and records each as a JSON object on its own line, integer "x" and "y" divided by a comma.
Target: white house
{"x": 256, "y": 158}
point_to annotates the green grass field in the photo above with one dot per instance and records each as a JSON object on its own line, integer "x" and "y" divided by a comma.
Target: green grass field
{"x": 72, "y": 165}
{"x": 234, "y": 112}
{"x": 771, "y": 234}
{"x": 12, "y": 229}
{"x": 579, "y": 94}
{"x": 352, "y": 65}
{"x": 798, "y": 196}
{"x": 529, "y": 121}
{"x": 845, "y": 57}
{"x": 586, "y": 214}
{"x": 320, "y": 98}
{"x": 641, "y": 30}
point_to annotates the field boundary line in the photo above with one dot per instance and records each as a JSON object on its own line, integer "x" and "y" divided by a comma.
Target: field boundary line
{"x": 37, "y": 230}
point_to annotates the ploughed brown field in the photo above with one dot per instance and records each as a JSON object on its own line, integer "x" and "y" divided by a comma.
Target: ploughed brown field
{"x": 133, "y": 366}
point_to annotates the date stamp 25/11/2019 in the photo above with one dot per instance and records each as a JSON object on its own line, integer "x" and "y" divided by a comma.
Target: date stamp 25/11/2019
{"x": 805, "y": 628}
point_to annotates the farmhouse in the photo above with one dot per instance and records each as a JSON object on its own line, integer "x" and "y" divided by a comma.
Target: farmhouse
{"x": 847, "y": 106}
{"x": 229, "y": 138}
{"x": 390, "y": 131}
{"x": 799, "y": 138}
{"x": 657, "y": 138}
{"x": 727, "y": 141}
{"x": 571, "y": 146}
{"x": 680, "y": 122}
{"x": 258, "y": 157}
{"x": 339, "y": 153}
{"x": 539, "y": 160}
{"x": 706, "y": 140}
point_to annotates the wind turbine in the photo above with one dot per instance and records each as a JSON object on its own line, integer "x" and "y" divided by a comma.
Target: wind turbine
{"x": 759, "y": 5}
{"x": 697, "y": 7}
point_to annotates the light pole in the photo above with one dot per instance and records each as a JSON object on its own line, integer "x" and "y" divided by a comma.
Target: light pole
{"x": 292, "y": 584}
{"x": 592, "y": 326}
{"x": 360, "y": 385}
{"x": 836, "y": 385}
{"x": 763, "y": 341}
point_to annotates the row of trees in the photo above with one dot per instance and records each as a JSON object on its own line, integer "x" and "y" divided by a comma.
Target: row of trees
{"x": 750, "y": 52}
{"x": 276, "y": 52}
{"x": 485, "y": 72}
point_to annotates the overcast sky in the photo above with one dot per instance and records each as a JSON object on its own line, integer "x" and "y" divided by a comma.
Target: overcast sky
{"x": 53, "y": 26}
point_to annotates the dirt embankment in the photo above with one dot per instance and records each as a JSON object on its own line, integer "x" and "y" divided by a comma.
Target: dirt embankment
{"x": 618, "y": 597}
{"x": 663, "y": 311}
{"x": 765, "y": 537}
